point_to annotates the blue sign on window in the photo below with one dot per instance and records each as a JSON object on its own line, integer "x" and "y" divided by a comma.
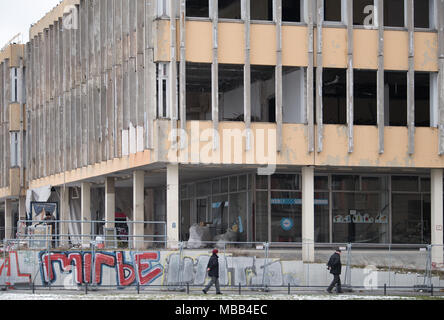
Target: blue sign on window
{"x": 287, "y": 224}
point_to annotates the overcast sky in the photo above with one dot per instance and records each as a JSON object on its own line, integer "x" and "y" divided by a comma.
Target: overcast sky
{"x": 18, "y": 15}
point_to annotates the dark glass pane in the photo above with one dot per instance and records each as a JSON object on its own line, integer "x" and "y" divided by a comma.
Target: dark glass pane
{"x": 285, "y": 182}
{"x": 404, "y": 183}
{"x": 343, "y": 182}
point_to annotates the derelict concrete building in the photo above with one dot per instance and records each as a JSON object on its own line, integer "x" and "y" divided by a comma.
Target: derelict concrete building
{"x": 284, "y": 121}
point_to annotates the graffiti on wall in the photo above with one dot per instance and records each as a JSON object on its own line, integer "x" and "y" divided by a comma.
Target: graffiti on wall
{"x": 232, "y": 271}
{"x": 127, "y": 268}
{"x": 142, "y": 268}
{"x": 10, "y": 271}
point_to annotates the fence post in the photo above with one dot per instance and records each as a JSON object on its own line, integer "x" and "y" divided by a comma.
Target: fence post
{"x": 288, "y": 288}
{"x": 385, "y": 289}
{"x": 188, "y": 288}
{"x": 138, "y": 288}
{"x": 86, "y": 288}
{"x": 431, "y": 289}
{"x": 240, "y": 289}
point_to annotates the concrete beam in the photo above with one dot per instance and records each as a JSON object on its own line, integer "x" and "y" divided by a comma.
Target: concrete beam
{"x": 411, "y": 78}
{"x": 278, "y": 22}
{"x": 380, "y": 75}
{"x": 310, "y": 77}
{"x": 214, "y": 16}
{"x": 319, "y": 77}
{"x": 350, "y": 78}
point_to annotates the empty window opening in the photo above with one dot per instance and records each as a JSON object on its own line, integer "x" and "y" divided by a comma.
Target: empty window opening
{"x": 334, "y": 96}
{"x": 332, "y": 10}
{"x": 197, "y": 8}
{"x": 394, "y": 13}
{"x": 396, "y": 97}
{"x": 422, "y": 14}
{"x": 198, "y": 87}
{"x": 363, "y": 12}
{"x": 365, "y": 97}
{"x": 293, "y": 95}
{"x": 14, "y": 84}
{"x": 230, "y": 9}
{"x": 263, "y": 103}
{"x": 262, "y": 10}
{"x": 15, "y": 150}
{"x": 291, "y": 10}
{"x": 231, "y": 92}
{"x": 163, "y": 91}
{"x": 422, "y": 99}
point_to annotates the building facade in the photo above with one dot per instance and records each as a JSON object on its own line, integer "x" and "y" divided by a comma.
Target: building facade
{"x": 283, "y": 121}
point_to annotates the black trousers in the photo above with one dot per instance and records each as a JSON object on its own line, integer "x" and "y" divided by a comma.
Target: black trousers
{"x": 336, "y": 282}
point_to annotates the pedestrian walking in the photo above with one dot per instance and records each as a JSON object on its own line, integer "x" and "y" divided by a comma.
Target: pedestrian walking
{"x": 335, "y": 266}
{"x": 213, "y": 272}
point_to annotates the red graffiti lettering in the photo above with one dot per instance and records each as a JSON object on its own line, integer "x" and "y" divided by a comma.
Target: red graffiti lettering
{"x": 125, "y": 272}
{"x": 145, "y": 270}
{"x": 102, "y": 259}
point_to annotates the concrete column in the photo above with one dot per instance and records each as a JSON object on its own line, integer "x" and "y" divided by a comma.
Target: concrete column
{"x": 64, "y": 216}
{"x": 86, "y": 212}
{"x": 172, "y": 205}
{"x": 8, "y": 219}
{"x": 22, "y": 208}
{"x": 110, "y": 202}
{"x": 436, "y": 182}
{"x": 308, "y": 214}
{"x": 138, "y": 208}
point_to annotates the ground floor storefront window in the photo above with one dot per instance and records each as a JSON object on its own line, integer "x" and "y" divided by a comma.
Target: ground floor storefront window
{"x": 348, "y": 208}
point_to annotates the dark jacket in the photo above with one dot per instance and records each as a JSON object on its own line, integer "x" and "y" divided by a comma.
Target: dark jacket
{"x": 335, "y": 264}
{"x": 213, "y": 265}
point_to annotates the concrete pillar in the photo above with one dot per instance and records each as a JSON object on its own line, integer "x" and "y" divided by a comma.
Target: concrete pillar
{"x": 22, "y": 208}
{"x": 436, "y": 182}
{"x": 85, "y": 209}
{"x": 308, "y": 214}
{"x": 172, "y": 205}
{"x": 110, "y": 202}
{"x": 8, "y": 219}
{"x": 138, "y": 208}
{"x": 64, "y": 216}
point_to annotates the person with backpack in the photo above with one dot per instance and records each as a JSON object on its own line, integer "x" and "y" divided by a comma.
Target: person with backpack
{"x": 335, "y": 266}
{"x": 213, "y": 272}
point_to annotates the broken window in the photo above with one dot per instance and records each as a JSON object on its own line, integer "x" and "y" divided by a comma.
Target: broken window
{"x": 363, "y": 12}
{"x": 365, "y": 97}
{"x": 14, "y": 85}
{"x": 334, "y": 96}
{"x": 230, "y": 9}
{"x": 262, "y": 10}
{"x": 198, "y": 87}
{"x": 396, "y": 97}
{"x": 163, "y": 91}
{"x": 291, "y": 10}
{"x": 231, "y": 92}
{"x": 197, "y": 8}
{"x": 332, "y": 10}
{"x": 422, "y": 14}
{"x": 263, "y": 94}
{"x": 293, "y": 95}
{"x": 422, "y": 99}
{"x": 15, "y": 149}
{"x": 394, "y": 13}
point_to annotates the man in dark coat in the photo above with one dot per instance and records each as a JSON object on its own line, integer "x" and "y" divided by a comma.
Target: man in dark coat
{"x": 335, "y": 266}
{"x": 213, "y": 272}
